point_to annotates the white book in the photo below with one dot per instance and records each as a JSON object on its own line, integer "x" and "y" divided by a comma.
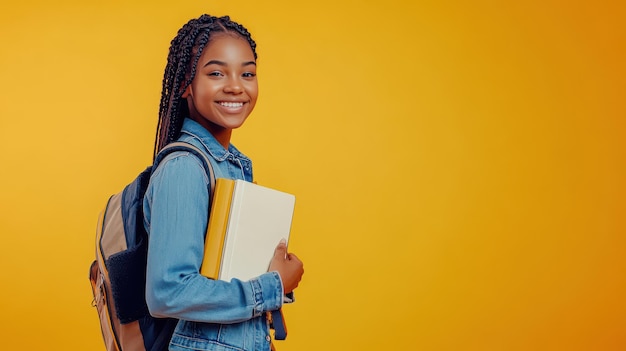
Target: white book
{"x": 246, "y": 223}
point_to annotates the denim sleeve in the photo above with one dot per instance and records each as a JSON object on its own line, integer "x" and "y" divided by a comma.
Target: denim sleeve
{"x": 176, "y": 208}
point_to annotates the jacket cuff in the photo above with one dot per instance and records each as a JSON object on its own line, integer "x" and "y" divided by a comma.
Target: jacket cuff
{"x": 267, "y": 290}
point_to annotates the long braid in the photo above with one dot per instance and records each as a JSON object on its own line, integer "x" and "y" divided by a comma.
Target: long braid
{"x": 182, "y": 60}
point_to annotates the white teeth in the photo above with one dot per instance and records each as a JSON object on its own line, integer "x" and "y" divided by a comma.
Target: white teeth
{"x": 231, "y": 104}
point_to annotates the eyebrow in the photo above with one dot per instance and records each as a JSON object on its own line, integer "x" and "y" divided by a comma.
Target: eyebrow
{"x": 222, "y": 63}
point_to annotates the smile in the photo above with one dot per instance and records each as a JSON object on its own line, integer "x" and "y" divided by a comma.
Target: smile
{"x": 231, "y": 104}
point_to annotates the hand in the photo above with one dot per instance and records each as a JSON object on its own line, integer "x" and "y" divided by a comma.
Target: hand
{"x": 288, "y": 266}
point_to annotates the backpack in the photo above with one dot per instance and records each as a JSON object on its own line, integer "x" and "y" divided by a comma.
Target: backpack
{"x": 118, "y": 274}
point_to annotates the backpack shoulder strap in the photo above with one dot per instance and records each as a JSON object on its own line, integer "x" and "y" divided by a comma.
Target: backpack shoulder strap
{"x": 184, "y": 146}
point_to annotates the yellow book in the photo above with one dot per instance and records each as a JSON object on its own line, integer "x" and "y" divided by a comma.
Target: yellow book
{"x": 246, "y": 223}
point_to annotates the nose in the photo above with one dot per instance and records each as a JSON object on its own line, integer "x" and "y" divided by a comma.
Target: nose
{"x": 233, "y": 86}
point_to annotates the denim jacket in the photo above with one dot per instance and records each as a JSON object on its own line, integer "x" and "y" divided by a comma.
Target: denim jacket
{"x": 213, "y": 314}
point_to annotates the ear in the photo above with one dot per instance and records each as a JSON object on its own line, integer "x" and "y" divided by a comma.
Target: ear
{"x": 187, "y": 92}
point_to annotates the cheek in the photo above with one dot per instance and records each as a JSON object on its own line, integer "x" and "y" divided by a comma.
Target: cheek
{"x": 253, "y": 90}
{"x": 202, "y": 84}
{"x": 202, "y": 90}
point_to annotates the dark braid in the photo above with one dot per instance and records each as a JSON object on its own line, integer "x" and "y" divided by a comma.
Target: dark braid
{"x": 182, "y": 60}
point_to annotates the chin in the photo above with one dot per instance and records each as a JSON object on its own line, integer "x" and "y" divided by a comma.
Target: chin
{"x": 234, "y": 125}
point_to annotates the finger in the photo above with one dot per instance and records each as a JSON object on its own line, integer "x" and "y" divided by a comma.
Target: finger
{"x": 281, "y": 249}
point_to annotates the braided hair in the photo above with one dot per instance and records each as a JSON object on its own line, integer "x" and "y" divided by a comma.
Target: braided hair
{"x": 182, "y": 60}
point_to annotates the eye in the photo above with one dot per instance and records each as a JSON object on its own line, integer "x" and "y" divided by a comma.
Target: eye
{"x": 215, "y": 74}
{"x": 249, "y": 75}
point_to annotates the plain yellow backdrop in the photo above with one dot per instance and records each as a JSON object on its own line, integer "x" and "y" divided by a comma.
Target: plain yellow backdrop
{"x": 459, "y": 166}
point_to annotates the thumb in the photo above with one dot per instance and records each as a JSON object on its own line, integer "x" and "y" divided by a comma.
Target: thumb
{"x": 281, "y": 249}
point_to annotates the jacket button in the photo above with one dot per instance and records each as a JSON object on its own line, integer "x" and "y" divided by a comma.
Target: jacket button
{"x": 267, "y": 337}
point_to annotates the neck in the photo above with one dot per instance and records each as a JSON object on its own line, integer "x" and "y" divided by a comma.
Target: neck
{"x": 222, "y": 135}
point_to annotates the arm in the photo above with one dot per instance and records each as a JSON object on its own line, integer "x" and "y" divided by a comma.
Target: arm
{"x": 177, "y": 203}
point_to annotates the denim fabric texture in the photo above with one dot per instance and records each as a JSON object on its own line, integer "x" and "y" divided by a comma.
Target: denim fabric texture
{"x": 213, "y": 314}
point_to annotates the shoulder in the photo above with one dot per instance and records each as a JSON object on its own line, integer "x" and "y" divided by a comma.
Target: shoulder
{"x": 178, "y": 185}
{"x": 180, "y": 166}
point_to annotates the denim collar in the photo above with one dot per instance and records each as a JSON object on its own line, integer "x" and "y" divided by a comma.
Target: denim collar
{"x": 211, "y": 145}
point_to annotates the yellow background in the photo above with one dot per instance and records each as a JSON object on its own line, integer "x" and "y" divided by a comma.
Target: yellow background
{"x": 459, "y": 166}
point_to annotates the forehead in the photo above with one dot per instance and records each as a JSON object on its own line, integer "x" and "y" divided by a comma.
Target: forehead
{"x": 227, "y": 47}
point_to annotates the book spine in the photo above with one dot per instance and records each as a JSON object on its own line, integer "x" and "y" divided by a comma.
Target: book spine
{"x": 216, "y": 229}
{"x": 232, "y": 231}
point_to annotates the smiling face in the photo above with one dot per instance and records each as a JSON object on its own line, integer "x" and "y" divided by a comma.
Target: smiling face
{"x": 224, "y": 90}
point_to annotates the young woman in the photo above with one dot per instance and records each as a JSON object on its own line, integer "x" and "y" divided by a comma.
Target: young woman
{"x": 209, "y": 89}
